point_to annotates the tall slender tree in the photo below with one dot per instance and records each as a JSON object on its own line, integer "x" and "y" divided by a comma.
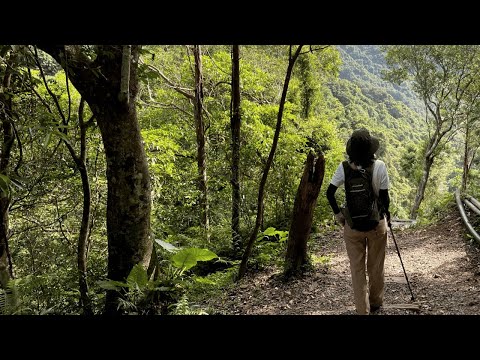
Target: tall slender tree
{"x": 196, "y": 97}
{"x": 441, "y": 75}
{"x": 235, "y": 122}
{"x": 201, "y": 143}
{"x": 292, "y": 58}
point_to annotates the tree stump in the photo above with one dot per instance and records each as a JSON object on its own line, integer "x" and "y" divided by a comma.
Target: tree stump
{"x": 303, "y": 208}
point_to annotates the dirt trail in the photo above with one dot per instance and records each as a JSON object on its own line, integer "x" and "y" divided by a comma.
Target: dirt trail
{"x": 443, "y": 268}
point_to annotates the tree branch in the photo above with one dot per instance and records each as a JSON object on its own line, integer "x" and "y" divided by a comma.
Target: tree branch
{"x": 312, "y": 50}
{"x": 68, "y": 91}
{"x": 20, "y": 147}
{"x": 167, "y": 106}
{"x": 177, "y": 88}
{"x": 59, "y": 109}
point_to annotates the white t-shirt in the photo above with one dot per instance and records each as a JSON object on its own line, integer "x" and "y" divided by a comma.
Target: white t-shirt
{"x": 380, "y": 178}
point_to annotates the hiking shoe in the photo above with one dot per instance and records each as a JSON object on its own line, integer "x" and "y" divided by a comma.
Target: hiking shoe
{"x": 374, "y": 308}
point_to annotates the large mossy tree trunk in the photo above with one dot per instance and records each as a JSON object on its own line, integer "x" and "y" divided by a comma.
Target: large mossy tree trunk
{"x": 305, "y": 201}
{"x": 8, "y": 138}
{"x": 99, "y": 81}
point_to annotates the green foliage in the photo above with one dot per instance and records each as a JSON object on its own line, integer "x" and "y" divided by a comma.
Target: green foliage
{"x": 269, "y": 249}
{"x": 188, "y": 258}
{"x": 46, "y": 209}
{"x": 320, "y": 113}
{"x": 167, "y": 293}
{"x": 9, "y": 303}
{"x": 365, "y": 65}
{"x": 183, "y": 307}
{"x": 38, "y": 295}
{"x": 281, "y": 236}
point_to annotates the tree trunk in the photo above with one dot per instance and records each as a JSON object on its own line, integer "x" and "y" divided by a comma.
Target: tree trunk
{"x": 263, "y": 181}
{"x": 235, "y": 128}
{"x": 421, "y": 186}
{"x": 129, "y": 197}
{"x": 303, "y": 208}
{"x": 82, "y": 250}
{"x": 465, "y": 160}
{"x": 200, "y": 130}
{"x": 82, "y": 243}
{"x": 6, "y": 112}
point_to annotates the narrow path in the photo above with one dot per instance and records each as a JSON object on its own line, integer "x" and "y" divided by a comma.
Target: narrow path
{"x": 443, "y": 268}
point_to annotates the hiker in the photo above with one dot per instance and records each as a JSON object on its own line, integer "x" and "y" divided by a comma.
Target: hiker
{"x": 363, "y": 218}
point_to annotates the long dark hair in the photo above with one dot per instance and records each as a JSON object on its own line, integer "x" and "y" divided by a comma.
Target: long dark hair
{"x": 359, "y": 150}
{"x": 364, "y": 160}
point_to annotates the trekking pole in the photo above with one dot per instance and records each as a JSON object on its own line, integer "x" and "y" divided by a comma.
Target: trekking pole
{"x": 401, "y": 262}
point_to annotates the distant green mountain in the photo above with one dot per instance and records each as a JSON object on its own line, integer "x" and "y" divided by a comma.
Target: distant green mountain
{"x": 391, "y": 112}
{"x": 368, "y": 100}
{"x": 363, "y": 65}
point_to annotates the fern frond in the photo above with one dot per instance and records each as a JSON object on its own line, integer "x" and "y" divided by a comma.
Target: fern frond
{"x": 9, "y": 298}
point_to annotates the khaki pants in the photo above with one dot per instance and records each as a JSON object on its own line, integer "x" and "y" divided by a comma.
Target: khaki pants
{"x": 370, "y": 244}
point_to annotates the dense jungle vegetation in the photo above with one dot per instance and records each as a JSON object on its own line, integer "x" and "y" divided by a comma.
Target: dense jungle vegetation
{"x": 130, "y": 175}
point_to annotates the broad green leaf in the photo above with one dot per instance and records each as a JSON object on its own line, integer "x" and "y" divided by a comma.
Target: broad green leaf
{"x": 188, "y": 258}
{"x": 269, "y": 231}
{"x": 167, "y": 246}
{"x": 138, "y": 275}
{"x": 111, "y": 284}
{"x": 283, "y": 235}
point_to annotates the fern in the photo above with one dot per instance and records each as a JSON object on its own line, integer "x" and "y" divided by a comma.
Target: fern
{"x": 182, "y": 307}
{"x": 3, "y": 301}
{"x": 9, "y": 299}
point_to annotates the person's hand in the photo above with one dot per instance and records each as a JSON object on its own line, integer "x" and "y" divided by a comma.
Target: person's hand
{"x": 340, "y": 218}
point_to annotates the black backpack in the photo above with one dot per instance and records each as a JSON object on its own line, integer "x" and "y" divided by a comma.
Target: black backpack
{"x": 362, "y": 208}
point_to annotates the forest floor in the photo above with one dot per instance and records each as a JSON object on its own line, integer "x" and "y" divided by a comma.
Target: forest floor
{"x": 442, "y": 265}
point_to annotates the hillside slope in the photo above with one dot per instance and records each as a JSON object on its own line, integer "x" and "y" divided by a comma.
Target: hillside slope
{"x": 373, "y": 102}
{"x": 363, "y": 65}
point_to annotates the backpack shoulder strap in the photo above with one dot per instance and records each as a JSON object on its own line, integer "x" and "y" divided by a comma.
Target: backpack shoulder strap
{"x": 347, "y": 170}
